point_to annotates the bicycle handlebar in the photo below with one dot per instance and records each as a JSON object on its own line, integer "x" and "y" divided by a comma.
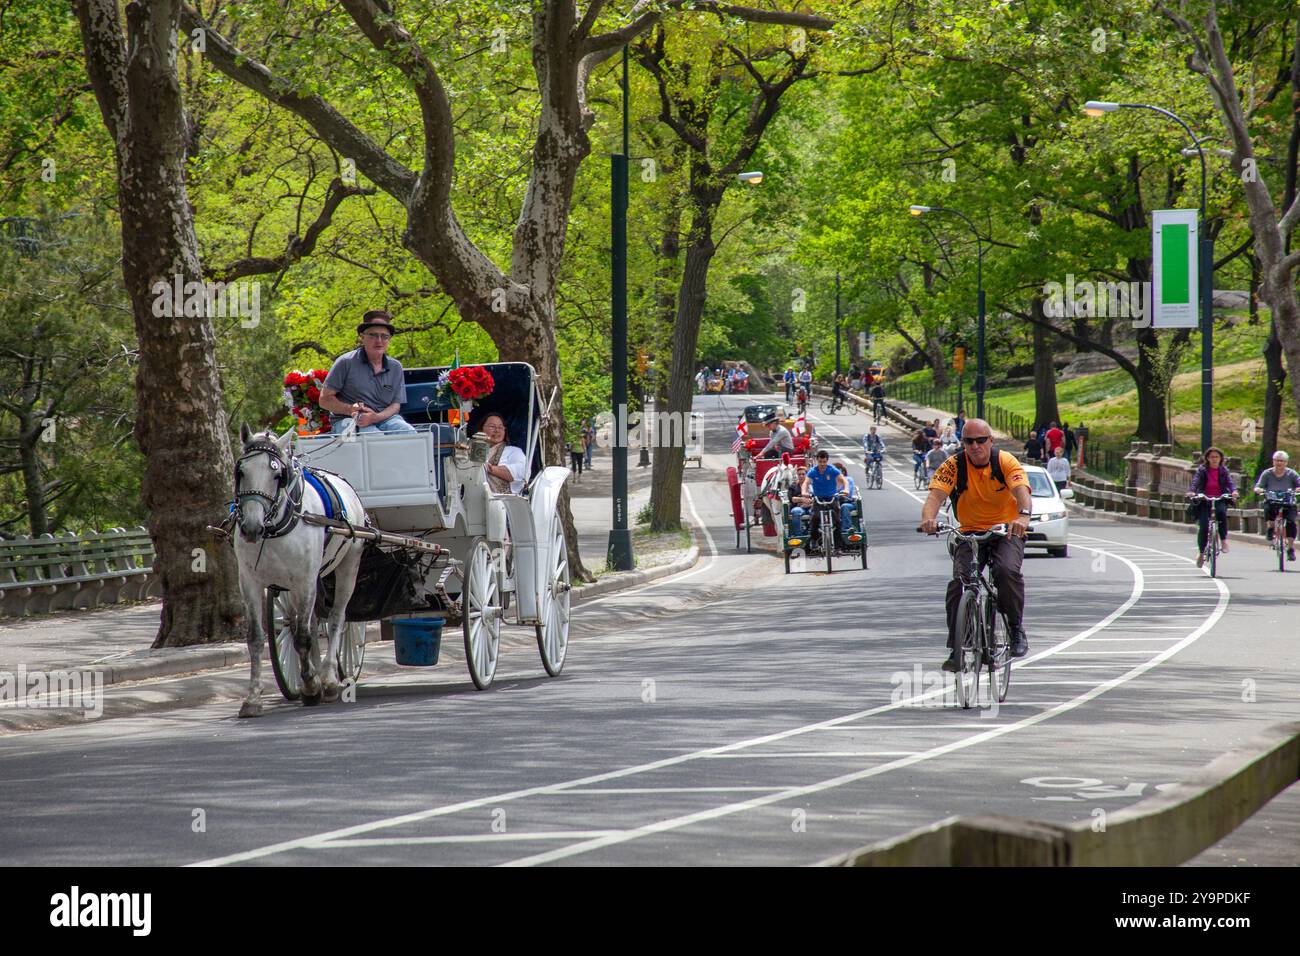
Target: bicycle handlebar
{"x": 997, "y": 531}
{"x": 1200, "y": 497}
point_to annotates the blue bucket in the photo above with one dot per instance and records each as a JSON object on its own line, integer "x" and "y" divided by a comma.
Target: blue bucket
{"x": 417, "y": 640}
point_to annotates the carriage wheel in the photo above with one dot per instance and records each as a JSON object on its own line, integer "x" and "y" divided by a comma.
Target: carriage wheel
{"x": 284, "y": 656}
{"x": 480, "y": 601}
{"x": 352, "y": 651}
{"x": 748, "y": 547}
{"x": 553, "y": 631}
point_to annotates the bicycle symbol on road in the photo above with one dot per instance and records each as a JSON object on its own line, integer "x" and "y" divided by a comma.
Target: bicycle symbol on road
{"x": 1090, "y": 788}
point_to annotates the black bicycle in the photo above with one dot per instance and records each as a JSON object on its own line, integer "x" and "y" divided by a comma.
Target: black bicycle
{"x": 835, "y": 404}
{"x": 1281, "y": 501}
{"x": 878, "y": 409}
{"x": 981, "y": 637}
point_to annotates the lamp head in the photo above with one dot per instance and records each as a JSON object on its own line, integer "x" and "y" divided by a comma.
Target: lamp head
{"x": 1099, "y": 107}
{"x": 918, "y": 210}
{"x": 753, "y": 177}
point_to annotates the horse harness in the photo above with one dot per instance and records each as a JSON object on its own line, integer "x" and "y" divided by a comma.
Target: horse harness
{"x": 290, "y": 474}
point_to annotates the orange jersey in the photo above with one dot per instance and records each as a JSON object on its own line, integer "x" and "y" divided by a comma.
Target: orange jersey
{"x": 984, "y": 503}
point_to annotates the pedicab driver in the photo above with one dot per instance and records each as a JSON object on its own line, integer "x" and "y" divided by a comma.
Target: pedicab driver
{"x": 826, "y": 481}
{"x": 985, "y": 491}
{"x": 780, "y": 442}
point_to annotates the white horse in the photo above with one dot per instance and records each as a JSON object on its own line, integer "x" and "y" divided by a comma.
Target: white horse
{"x": 275, "y": 548}
{"x": 775, "y": 489}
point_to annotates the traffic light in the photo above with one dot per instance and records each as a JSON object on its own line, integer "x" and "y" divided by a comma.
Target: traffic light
{"x": 959, "y": 359}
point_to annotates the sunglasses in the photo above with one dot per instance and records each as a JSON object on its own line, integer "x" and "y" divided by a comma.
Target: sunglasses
{"x": 979, "y": 440}
{"x": 379, "y": 336}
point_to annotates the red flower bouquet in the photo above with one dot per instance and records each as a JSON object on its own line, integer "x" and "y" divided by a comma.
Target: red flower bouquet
{"x": 301, "y": 397}
{"x": 469, "y": 383}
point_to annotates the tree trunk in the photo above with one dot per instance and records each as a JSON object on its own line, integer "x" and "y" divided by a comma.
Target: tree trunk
{"x": 668, "y": 462}
{"x": 1275, "y": 375}
{"x": 937, "y": 352}
{"x": 181, "y": 423}
{"x": 1045, "y": 407}
{"x": 29, "y": 432}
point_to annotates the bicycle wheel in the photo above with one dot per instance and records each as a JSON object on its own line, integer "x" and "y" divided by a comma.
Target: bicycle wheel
{"x": 877, "y": 477}
{"x": 999, "y": 644}
{"x": 827, "y": 407}
{"x": 1281, "y": 548}
{"x": 918, "y": 478}
{"x": 828, "y": 541}
{"x": 850, "y": 406}
{"x": 1213, "y": 547}
{"x": 967, "y": 644}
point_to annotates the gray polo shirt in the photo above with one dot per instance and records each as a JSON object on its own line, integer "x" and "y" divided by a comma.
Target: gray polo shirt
{"x": 355, "y": 381}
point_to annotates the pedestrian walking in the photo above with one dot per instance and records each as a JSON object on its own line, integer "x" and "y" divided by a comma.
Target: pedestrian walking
{"x": 1034, "y": 449}
{"x": 588, "y": 440}
{"x": 575, "y": 457}
{"x": 1058, "y": 468}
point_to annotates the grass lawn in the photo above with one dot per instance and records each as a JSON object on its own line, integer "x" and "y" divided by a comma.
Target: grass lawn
{"x": 1107, "y": 401}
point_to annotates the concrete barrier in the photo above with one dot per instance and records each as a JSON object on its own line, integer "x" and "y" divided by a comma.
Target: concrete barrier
{"x": 1164, "y": 830}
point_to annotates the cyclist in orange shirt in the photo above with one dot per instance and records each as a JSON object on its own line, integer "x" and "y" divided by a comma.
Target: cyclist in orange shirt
{"x": 986, "y": 487}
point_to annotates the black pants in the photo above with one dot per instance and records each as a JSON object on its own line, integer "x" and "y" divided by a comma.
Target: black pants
{"x": 1270, "y": 512}
{"x": 1004, "y": 556}
{"x": 575, "y": 461}
{"x": 1203, "y": 522}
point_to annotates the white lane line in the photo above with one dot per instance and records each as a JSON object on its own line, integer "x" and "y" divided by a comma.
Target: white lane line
{"x": 495, "y": 799}
{"x": 792, "y": 793}
{"x": 764, "y": 755}
{"x": 662, "y": 790}
{"x": 467, "y": 838}
{"x": 672, "y": 578}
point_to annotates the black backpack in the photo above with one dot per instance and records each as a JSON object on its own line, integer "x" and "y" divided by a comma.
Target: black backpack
{"x": 995, "y": 462}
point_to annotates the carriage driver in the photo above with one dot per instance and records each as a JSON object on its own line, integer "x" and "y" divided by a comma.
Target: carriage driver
{"x": 366, "y": 384}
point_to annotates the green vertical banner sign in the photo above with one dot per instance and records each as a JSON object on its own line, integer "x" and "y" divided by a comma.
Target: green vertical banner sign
{"x": 1174, "y": 272}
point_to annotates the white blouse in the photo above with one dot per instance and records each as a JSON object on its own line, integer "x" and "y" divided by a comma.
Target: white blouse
{"x": 513, "y": 459}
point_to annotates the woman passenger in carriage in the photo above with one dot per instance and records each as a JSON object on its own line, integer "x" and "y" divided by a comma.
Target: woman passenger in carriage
{"x": 506, "y": 466}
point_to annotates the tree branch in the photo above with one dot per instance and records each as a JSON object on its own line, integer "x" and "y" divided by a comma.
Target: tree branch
{"x": 334, "y": 128}
{"x": 297, "y": 246}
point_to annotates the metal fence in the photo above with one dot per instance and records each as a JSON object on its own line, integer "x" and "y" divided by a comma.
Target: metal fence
{"x": 946, "y": 399}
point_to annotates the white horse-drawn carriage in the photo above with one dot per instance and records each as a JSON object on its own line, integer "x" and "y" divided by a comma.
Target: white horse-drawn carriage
{"x": 439, "y": 543}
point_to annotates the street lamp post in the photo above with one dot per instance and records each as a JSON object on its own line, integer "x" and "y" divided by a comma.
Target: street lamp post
{"x": 837, "y": 321}
{"x": 1205, "y": 255}
{"x": 619, "y": 554}
{"x": 979, "y": 286}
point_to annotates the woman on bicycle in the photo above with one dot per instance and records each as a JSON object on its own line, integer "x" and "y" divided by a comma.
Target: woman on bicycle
{"x": 837, "y": 391}
{"x": 1280, "y": 478}
{"x": 1212, "y": 480}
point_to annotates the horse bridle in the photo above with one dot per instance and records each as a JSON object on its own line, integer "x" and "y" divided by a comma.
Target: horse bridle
{"x": 288, "y": 488}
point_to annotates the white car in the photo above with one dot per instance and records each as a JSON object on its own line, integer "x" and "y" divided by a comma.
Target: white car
{"x": 1049, "y": 526}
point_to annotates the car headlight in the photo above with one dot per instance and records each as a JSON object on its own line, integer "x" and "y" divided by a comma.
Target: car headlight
{"x": 1051, "y": 515}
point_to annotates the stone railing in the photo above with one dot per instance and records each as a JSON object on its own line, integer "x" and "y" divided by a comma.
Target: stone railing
{"x": 1108, "y": 496}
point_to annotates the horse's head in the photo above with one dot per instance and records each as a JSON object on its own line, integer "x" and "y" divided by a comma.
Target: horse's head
{"x": 261, "y": 475}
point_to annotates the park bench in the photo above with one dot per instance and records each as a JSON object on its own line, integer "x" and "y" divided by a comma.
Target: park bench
{"x": 51, "y": 573}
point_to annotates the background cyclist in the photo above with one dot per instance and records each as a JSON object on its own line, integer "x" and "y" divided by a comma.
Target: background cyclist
{"x": 1279, "y": 478}
{"x": 873, "y": 448}
{"x": 1212, "y": 480}
{"x": 989, "y": 497}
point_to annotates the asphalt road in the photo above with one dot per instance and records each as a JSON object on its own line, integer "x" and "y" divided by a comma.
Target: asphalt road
{"x": 729, "y": 715}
